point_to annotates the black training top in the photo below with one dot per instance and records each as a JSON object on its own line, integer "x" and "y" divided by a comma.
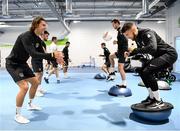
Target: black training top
{"x": 148, "y": 41}
{"x": 24, "y": 47}
{"x": 41, "y": 47}
{"x": 66, "y": 52}
{"x": 106, "y": 53}
{"x": 122, "y": 42}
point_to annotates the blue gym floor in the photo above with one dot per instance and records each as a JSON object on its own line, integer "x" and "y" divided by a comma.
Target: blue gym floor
{"x": 82, "y": 103}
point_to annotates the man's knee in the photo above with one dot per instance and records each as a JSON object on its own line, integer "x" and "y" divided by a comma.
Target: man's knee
{"x": 112, "y": 56}
{"x": 23, "y": 85}
{"x": 121, "y": 66}
{"x": 34, "y": 82}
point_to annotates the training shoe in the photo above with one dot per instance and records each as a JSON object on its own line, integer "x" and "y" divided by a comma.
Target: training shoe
{"x": 43, "y": 91}
{"x": 111, "y": 78}
{"x": 156, "y": 104}
{"x": 148, "y": 100}
{"x": 39, "y": 94}
{"x": 112, "y": 73}
{"x": 66, "y": 77}
{"x": 107, "y": 77}
{"x": 20, "y": 119}
{"x": 33, "y": 107}
{"x": 46, "y": 80}
{"x": 58, "y": 81}
{"x": 121, "y": 86}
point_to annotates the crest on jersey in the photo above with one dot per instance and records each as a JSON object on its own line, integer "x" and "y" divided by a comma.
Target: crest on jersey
{"x": 37, "y": 45}
{"x": 21, "y": 74}
{"x": 148, "y": 35}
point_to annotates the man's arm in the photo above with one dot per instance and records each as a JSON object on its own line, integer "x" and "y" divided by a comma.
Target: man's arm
{"x": 150, "y": 42}
{"x": 29, "y": 47}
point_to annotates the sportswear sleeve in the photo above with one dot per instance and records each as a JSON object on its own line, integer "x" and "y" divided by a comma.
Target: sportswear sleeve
{"x": 29, "y": 47}
{"x": 150, "y": 43}
{"x": 123, "y": 41}
{"x": 108, "y": 52}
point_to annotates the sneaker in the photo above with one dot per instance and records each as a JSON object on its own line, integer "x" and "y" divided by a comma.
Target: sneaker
{"x": 39, "y": 94}
{"x": 20, "y": 119}
{"x": 111, "y": 78}
{"x": 33, "y": 107}
{"x": 112, "y": 73}
{"x": 107, "y": 77}
{"x": 121, "y": 86}
{"x": 156, "y": 104}
{"x": 43, "y": 91}
{"x": 58, "y": 81}
{"x": 46, "y": 80}
{"x": 148, "y": 100}
{"x": 66, "y": 77}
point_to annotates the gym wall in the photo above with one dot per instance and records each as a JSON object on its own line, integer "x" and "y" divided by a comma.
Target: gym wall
{"x": 85, "y": 38}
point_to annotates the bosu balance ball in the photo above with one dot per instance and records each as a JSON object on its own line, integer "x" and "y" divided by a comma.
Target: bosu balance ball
{"x": 162, "y": 85}
{"x": 152, "y": 114}
{"x": 116, "y": 91}
{"x": 100, "y": 76}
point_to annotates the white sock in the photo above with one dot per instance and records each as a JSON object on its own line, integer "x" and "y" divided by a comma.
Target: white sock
{"x": 156, "y": 95}
{"x": 47, "y": 77}
{"x": 39, "y": 87}
{"x": 65, "y": 74}
{"x": 150, "y": 93}
{"x": 18, "y": 110}
{"x": 124, "y": 82}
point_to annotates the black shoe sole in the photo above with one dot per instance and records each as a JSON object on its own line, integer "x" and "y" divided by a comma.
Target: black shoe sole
{"x": 46, "y": 80}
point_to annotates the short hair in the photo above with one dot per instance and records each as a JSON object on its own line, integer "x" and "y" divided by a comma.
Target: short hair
{"x": 54, "y": 38}
{"x": 46, "y": 32}
{"x": 67, "y": 42}
{"x": 104, "y": 44}
{"x": 36, "y": 21}
{"x": 115, "y": 21}
{"x": 126, "y": 27}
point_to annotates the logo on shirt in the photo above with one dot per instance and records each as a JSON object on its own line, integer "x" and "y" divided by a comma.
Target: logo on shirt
{"x": 148, "y": 35}
{"x": 37, "y": 45}
{"x": 151, "y": 65}
{"x": 21, "y": 74}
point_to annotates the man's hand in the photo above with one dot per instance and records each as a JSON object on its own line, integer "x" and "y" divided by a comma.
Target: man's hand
{"x": 126, "y": 54}
{"x": 59, "y": 57}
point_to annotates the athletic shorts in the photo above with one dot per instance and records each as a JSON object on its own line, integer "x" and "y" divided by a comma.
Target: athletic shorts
{"x": 107, "y": 63}
{"x": 120, "y": 56}
{"x": 19, "y": 71}
{"x": 37, "y": 65}
{"x": 66, "y": 62}
{"x": 54, "y": 63}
